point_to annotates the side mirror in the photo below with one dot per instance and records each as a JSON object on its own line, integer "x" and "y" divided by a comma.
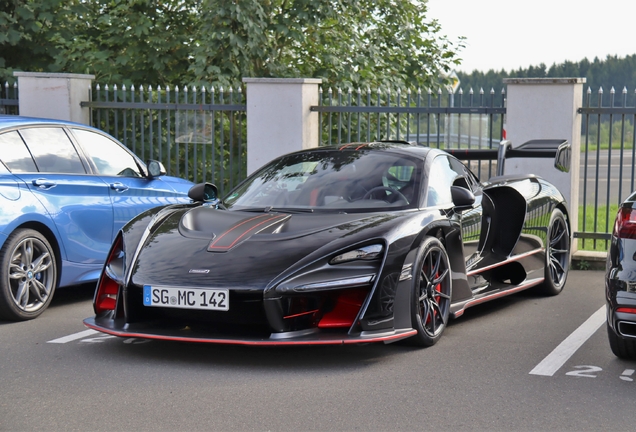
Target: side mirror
{"x": 203, "y": 192}
{"x": 463, "y": 199}
{"x": 562, "y": 157}
{"x": 155, "y": 168}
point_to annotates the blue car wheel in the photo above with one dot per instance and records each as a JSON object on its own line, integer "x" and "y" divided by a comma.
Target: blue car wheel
{"x": 28, "y": 275}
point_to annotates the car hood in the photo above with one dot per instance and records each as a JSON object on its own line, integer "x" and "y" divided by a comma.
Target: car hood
{"x": 245, "y": 250}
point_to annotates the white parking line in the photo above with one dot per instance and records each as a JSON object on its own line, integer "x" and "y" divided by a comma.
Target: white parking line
{"x": 73, "y": 336}
{"x": 568, "y": 347}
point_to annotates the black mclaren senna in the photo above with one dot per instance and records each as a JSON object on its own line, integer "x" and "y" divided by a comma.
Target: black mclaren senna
{"x": 356, "y": 243}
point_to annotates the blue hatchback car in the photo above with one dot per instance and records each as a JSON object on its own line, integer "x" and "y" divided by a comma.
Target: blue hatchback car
{"x": 65, "y": 191}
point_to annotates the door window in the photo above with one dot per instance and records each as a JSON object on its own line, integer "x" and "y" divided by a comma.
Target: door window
{"x": 52, "y": 150}
{"x": 109, "y": 157}
{"x": 15, "y": 154}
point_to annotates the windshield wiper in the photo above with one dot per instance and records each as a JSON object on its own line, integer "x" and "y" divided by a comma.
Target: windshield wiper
{"x": 278, "y": 209}
{"x": 289, "y": 210}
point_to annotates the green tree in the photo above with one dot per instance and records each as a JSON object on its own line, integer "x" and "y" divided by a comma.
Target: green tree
{"x": 119, "y": 41}
{"x": 26, "y": 33}
{"x": 612, "y": 71}
{"x": 351, "y": 42}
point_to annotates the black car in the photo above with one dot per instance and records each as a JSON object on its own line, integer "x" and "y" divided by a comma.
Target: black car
{"x": 364, "y": 242}
{"x": 620, "y": 282}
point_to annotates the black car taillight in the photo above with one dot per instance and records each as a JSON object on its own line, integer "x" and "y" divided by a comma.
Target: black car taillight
{"x": 625, "y": 225}
{"x": 111, "y": 278}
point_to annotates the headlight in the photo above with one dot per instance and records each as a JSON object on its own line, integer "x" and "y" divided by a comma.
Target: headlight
{"x": 363, "y": 253}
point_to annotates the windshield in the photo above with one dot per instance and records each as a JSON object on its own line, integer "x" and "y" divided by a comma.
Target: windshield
{"x": 332, "y": 180}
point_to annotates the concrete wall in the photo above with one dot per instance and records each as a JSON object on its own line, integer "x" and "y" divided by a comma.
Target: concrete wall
{"x": 54, "y": 95}
{"x": 279, "y": 119}
{"x": 546, "y": 108}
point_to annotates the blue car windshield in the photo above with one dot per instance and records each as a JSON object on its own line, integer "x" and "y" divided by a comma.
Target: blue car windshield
{"x": 332, "y": 180}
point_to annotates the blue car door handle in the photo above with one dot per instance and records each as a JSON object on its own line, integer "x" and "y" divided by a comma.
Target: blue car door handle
{"x": 43, "y": 183}
{"x": 119, "y": 187}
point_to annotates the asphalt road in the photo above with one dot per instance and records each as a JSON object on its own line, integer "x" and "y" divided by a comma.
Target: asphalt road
{"x": 492, "y": 370}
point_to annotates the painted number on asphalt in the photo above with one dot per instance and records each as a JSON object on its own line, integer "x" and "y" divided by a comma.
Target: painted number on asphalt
{"x": 588, "y": 371}
{"x": 585, "y": 371}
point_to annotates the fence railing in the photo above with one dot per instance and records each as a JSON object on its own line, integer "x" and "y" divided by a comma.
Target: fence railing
{"x": 608, "y": 163}
{"x": 438, "y": 120}
{"x": 9, "y": 98}
{"x": 198, "y": 133}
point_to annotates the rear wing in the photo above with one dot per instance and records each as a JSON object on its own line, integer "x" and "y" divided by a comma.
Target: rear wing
{"x": 543, "y": 148}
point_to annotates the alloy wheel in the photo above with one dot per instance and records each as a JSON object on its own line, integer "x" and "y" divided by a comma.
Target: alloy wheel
{"x": 31, "y": 276}
{"x": 434, "y": 292}
{"x": 558, "y": 251}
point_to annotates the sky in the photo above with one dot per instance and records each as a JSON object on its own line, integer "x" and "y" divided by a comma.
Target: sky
{"x": 509, "y": 34}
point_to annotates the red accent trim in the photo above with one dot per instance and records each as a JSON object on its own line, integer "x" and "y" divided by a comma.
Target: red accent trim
{"x": 301, "y": 314}
{"x": 345, "y": 311}
{"x": 509, "y": 260}
{"x": 499, "y": 294}
{"x": 626, "y": 310}
{"x": 345, "y": 146}
{"x": 388, "y": 338}
{"x": 247, "y": 231}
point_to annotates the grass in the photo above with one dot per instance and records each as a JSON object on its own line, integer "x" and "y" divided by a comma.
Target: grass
{"x": 602, "y": 216}
{"x": 604, "y": 146}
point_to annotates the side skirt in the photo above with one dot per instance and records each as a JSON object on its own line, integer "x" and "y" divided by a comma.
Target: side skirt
{"x": 458, "y": 309}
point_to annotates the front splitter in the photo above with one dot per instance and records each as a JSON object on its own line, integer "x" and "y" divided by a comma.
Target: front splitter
{"x": 109, "y": 326}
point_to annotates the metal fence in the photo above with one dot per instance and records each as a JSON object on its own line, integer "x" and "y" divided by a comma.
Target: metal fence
{"x": 449, "y": 120}
{"x": 198, "y": 133}
{"x": 9, "y": 98}
{"x": 608, "y": 162}
{"x": 442, "y": 119}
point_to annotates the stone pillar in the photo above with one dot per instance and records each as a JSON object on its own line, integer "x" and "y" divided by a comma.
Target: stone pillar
{"x": 546, "y": 108}
{"x": 54, "y": 95}
{"x": 279, "y": 119}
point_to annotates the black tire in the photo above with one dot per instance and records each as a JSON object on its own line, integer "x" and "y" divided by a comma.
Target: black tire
{"x": 557, "y": 255}
{"x": 28, "y": 275}
{"x": 622, "y": 348}
{"x": 432, "y": 288}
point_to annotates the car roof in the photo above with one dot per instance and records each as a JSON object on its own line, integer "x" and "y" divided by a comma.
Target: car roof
{"x": 12, "y": 121}
{"x": 400, "y": 147}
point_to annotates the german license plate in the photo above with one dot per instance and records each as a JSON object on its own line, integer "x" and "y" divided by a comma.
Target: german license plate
{"x": 187, "y": 298}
